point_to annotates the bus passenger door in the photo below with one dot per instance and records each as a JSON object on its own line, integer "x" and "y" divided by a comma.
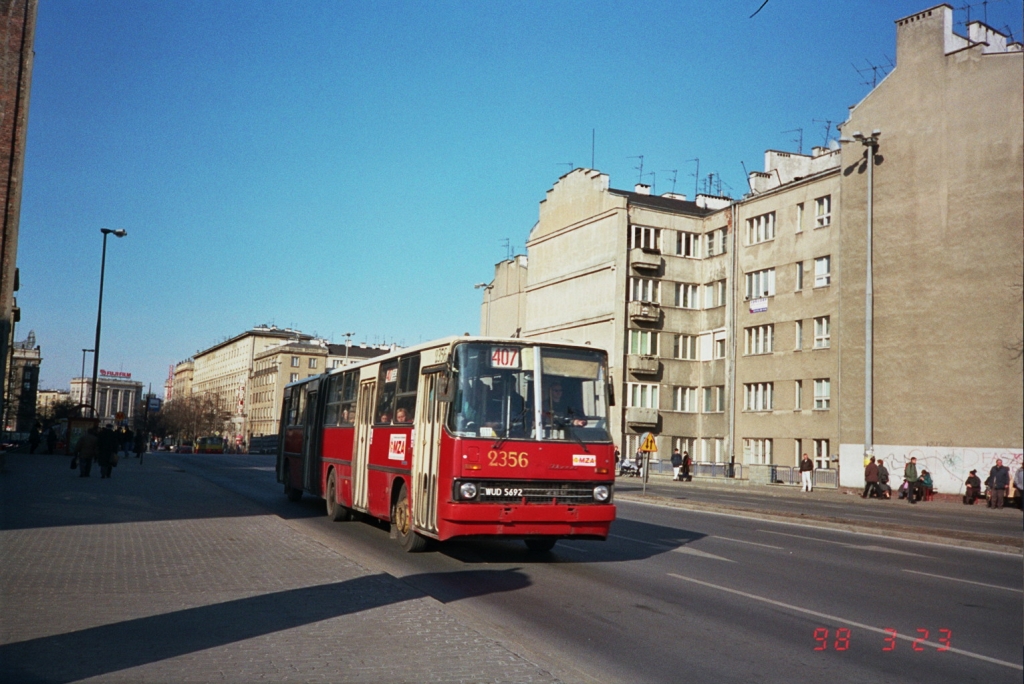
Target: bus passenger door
{"x": 361, "y": 455}
{"x": 311, "y": 446}
{"x": 430, "y": 421}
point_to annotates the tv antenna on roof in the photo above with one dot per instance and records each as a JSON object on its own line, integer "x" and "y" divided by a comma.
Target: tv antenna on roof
{"x": 695, "y": 174}
{"x": 508, "y": 249}
{"x": 572, "y": 167}
{"x": 639, "y": 168}
{"x": 654, "y": 181}
{"x": 874, "y": 69}
{"x": 798, "y": 140}
{"x": 674, "y": 172}
{"x": 828, "y": 128}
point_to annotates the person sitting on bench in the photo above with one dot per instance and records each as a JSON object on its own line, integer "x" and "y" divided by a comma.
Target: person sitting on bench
{"x": 972, "y": 488}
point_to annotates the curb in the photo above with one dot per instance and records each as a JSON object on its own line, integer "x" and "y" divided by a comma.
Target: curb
{"x": 998, "y": 544}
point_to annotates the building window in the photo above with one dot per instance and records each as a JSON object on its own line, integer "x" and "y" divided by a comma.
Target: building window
{"x": 823, "y": 211}
{"x": 719, "y": 345}
{"x": 798, "y": 395}
{"x": 717, "y": 242}
{"x": 799, "y": 218}
{"x": 312, "y": 363}
{"x": 685, "y": 445}
{"x": 714, "y": 294}
{"x": 687, "y": 295}
{"x": 643, "y": 342}
{"x": 295, "y": 362}
{"x": 759, "y": 340}
{"x": 714, "y": 399}
{"x": 822, "y": 271}
{"x": 822, "y": 332}
{"x": 712, "y": 449}
{"x": 642, "y": 395}
{"x": 647, "y": 239}
{"x": 644, "y": 290}
{"x": 688, "y": 245}
{"x": 684, "y": 399}
{"x": 821, "y": 459}
{"x": 799, "y": 336}
{"x": 822, "y": 394}
{"x": 759, "y": 396}
{"x": 761, "y": 283}
{"x": 757, "y": 451}
{"x": 799, "y": 275}
{"x": 684, "y": 347}
{"x": 293, "y": 377}
{"x": 761, "y": 228}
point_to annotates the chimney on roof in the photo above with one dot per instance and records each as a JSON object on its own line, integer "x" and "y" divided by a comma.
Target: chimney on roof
{"x": 642, "y": 189}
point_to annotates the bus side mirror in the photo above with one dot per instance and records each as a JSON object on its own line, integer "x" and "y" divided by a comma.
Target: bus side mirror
{"x": 445, "y": 387}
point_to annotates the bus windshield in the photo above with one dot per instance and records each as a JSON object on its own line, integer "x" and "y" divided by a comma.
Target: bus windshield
{"x": 497, "y": 393}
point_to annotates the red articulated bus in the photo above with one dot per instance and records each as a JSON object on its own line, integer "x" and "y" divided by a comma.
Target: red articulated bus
{"x": 465, "y": 437}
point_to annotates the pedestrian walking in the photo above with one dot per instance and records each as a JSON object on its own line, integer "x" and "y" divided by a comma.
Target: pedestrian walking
{"x": 51, "y": 440}
{"x": 910, "y": 475}
{"x": 107, "y": 451}
{"x": 677, "y": 463}
{"x": 806, "y": 473}
{"x": 870, "y": 478}
{"x": 687, "y": 462}
{"x": 87, "y": 448}
{"x": 639, "y": 460}
{"x": 140, "y": 445}
{"x": 999, "y": 483}
{"x": 883, "y": 488}
{"x": 34, "y": 438}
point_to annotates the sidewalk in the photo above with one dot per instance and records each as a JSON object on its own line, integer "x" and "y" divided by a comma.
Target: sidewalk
{"x": 945, "y": 521}
{"x": 156, "y": 575}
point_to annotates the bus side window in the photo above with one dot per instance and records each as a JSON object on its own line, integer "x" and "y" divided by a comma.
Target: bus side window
{"x": 348, "y": 398}
{"x": 299, "y": 402}
{"x": 332, "y": 413}
{"x": 386, "y": 393}
{"x": 408, "y": 377}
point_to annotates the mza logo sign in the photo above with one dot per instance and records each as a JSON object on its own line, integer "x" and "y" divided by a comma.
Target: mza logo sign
{"x": 396, "y": 448}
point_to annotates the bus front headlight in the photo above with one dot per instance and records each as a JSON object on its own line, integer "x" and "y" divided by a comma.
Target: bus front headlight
{"x": 602, "y": 493}
{"x": 467, "y": 490}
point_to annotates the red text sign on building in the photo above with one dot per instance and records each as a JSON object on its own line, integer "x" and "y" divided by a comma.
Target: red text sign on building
{"x": 116, "y": 374}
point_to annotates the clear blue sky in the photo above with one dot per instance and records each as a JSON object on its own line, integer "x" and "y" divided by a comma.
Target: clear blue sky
{"x": 355, "y": 166}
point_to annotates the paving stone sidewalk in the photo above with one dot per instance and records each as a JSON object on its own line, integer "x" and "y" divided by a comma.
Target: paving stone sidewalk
{"x": 156, "y": 575}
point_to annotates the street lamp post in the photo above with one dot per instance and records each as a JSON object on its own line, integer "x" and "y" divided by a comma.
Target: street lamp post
{"x": 487, "y": 289}
{"x": 871, "y": 143}
{"x": 81, "y": 387}
{"x": 120, "y": 232}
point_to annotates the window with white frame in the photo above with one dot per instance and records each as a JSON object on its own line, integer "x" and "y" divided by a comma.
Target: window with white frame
{"x": 688, "y": 244}
{"x": 295, "y": 362}
{"x": 293, "y": 377}
{"x": 761, "y": 283}
{"x": 822, "y": 394}
{"x": 757, "y": 451}
{"x": 822, "y": 332}
{"x": 761, "y": 228}
{"x": 822, "y": 271}
{"x": 823, "y": 211}
{"x": 799, "y": 275}
{"x": 643, "y": 342}
{"x": 759, "y": 396}
{"x": 684, "y": 347}
{"x": 712, "y": 449}
{"x": 684, "y": 399}
{"x": 644, "y": 290}
{"x": 647, "y": 239}
{"x": 759, "y": 339}
{"x": 714, "y": 294}
{"x": 715, "y": 242}
{"x": 312, "y": 363}
{"x": 687, "y": 295}
{"x": 799, "y": 342}
{"x": 821, "y": 459}
{"x": 684, "y": 444}
{"x": 714, "y": 399}
{"x": 798, "y": 395}
{"x": 799, "y": 217}
{"x": 642, "y": 395}
{"x": 719, "y": 338}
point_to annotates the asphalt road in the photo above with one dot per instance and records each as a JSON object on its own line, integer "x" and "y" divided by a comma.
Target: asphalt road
{"x": 677, "y": 595}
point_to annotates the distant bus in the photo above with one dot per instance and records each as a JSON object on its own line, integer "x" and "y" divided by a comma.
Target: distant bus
{"x": 210, "y": 445}
{"x": 465, "y": 437}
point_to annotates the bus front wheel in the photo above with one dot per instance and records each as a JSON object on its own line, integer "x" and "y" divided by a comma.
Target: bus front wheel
{"x": 540, "y": 545}
{"x": 401, "y": 524}
{"x": 335, "y": 511}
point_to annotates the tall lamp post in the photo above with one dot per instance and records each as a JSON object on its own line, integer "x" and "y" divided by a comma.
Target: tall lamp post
{"x": 81, "y": 388}
{"x": 871, "y": 143}
{"x": 120, "y": 232}
{"x": 487, "y": 289}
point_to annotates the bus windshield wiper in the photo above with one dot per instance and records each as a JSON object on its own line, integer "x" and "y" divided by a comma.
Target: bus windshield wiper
{"x": 572, "y": 432}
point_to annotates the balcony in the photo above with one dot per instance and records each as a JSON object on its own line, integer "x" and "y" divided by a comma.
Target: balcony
{"x": 643, "y": 260}
{"x": 645, "y": 312}
{"x": 642, "y": 364}
{"x": 642, "y": 417}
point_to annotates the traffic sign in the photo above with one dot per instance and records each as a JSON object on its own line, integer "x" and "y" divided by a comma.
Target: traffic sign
{"x": 647, "y": 443}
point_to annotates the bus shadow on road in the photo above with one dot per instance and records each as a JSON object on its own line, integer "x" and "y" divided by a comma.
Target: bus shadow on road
{"x": 98, "y": 651}
{"x": 629, "y": 540}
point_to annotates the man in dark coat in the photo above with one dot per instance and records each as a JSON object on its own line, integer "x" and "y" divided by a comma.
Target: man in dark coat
{"x": 999, "y": 477}
{"x": 86, "y": 449}
{"x": 883, "y": 488}
{"x": 870, "y": 478}
{"x": 677, "y": 463}
{"x": 687, "y": 461}
{"x": 972, "y": 488}
{"x": 107, "y": 450}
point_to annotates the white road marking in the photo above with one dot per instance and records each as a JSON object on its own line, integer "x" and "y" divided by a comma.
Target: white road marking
{"x": 837, "y": 619}
{"x": 574, "y": 548}
{"x": 701, "y": 554}
{"x": 743, "y": 541}
{"x": 882, "y": 549}
{"x": 641, "y": 541}
{"x": 956, "y": 579}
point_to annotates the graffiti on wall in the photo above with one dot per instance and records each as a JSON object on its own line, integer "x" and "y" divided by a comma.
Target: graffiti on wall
{"x": 949, "y": 466}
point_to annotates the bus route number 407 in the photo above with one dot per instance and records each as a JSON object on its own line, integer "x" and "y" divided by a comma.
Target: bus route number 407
{"x": 504, "y": 357}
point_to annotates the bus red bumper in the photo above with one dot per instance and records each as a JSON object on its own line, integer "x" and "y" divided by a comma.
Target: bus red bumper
{"x": 529, "y": 520}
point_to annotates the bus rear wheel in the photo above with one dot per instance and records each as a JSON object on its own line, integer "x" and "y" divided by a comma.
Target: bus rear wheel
{"x": 335, "y": 511}
{"x": 401, "y": 524}
{"x": 540, "y": 545}
{"x": 291, "y": 492}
